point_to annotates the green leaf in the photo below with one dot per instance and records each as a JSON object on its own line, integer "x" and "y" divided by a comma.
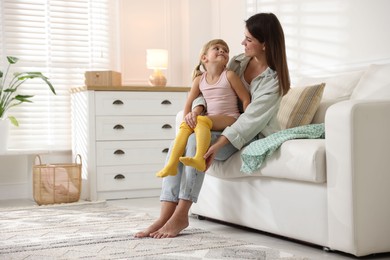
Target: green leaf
{"x": 23, "y": 98}
{"x": 50, "y": 85}
{"x": 13, "y": 120}
{"x": 26, "y": 75}
{"x": 32, "y": 75}
{"x": 12, "y": 60}
{"x": 1, "y": 74}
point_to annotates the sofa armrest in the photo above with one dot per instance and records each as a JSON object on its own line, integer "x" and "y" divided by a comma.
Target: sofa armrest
{"x": 358, "y": 176}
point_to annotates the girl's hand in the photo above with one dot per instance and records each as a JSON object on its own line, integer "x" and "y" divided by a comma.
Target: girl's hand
{"x": 191, "y": 119}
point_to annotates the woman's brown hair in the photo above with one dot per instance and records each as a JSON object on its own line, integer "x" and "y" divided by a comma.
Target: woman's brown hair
{"x": 266, "y": 28}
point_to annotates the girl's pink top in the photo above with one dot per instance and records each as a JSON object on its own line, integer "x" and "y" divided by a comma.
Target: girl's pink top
{"x": 220, "y": 97}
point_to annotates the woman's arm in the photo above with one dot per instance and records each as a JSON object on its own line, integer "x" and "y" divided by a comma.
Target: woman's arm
{"x": 262, "y": 109}
{"x": 249, "y": 124}
{"x": 239, "y": 88}
{"x": 213, "y": 150}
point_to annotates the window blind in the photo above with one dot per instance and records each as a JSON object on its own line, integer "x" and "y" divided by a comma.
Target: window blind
{"x": 62, "y": 39}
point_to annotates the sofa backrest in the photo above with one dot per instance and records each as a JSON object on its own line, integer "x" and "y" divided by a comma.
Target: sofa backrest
{"x": 371, "y": 83}
{"x": 374, "y": 84}
{"x": 338, "y": 87}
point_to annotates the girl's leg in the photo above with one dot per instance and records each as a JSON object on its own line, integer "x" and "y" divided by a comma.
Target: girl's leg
{"x": 203, "y": 138}
{"x": 176, "y": 151}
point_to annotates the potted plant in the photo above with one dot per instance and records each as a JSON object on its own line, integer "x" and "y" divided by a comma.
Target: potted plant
{"x": 10, "y": 97}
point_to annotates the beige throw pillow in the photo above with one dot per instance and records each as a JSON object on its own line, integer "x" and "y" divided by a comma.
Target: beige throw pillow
{"x": 299, "y": 105}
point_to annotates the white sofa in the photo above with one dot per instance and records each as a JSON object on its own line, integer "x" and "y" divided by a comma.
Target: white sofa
{"x": 333, "y": 192}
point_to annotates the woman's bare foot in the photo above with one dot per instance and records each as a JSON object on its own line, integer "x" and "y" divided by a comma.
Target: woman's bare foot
{"x": 152, "y": 228}
{"x": 173, "y": 227}
{"x": 173, "y": 219}
{"x": 167, "y": 210}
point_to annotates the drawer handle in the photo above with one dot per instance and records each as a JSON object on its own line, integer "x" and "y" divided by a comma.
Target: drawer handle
{"x": 119, "y": 151}
{"x": 118, "y": 127}
{"x": 166, "y": 126}
{"x": 117, "y": 102}
{"x": 119, "y": 177}
{"x": 165, "y": 150}
{"x": 166, "y": 102}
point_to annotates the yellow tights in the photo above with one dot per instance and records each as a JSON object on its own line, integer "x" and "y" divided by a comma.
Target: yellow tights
{"x": 203, "y": 139}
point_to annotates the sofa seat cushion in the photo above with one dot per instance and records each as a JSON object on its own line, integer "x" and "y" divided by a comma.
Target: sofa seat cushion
{"x": 298, "y": 159}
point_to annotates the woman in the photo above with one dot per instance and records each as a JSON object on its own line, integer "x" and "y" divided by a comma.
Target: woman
{"x": 263, "y": 70}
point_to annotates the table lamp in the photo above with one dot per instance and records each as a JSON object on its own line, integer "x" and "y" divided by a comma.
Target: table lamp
{"x": 157, "y": 60}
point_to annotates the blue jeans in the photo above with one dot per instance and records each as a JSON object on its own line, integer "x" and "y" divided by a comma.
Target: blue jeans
{"x": 186, "y": 184}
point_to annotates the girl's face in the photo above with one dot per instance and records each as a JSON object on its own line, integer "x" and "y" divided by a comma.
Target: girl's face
{"x": 217, "y": 52}
{"x": 252, "y": 46}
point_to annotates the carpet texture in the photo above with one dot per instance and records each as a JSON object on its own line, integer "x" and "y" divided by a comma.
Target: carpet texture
{"x": 100, "y": 231}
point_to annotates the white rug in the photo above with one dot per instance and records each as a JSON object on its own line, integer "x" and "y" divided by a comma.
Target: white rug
{"x": 98, "y": 231}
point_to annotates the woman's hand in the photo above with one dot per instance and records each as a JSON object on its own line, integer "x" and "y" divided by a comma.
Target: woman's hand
{"x": 191, "y": 119}
{"x": 213, "y": 150}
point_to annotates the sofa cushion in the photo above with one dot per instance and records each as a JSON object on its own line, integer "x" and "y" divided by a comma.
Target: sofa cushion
{"x": 338, "y": 86}
{"x": 299, "y": 159}
{"x": 374, "y": 84}
{"x": 299, "y": 106}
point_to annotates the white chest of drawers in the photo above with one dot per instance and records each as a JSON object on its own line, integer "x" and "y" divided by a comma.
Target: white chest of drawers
{"x": 123, "y": 135}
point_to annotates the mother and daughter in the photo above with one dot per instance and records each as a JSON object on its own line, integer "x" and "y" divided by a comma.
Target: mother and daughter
{"x": 258, "y": 78}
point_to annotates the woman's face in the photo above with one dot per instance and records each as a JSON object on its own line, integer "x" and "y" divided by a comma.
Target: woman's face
{"x": 252, "y": 46}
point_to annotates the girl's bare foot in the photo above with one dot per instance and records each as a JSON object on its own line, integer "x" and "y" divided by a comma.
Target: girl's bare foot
{"x": 172, "y": 228}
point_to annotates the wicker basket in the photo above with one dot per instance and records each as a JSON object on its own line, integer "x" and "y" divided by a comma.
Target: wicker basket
{"x": 56, "y": 183}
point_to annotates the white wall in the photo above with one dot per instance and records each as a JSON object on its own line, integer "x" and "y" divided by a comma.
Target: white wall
{"x": 13, "y": 177}
{"x": 332, "y": 35}
{"x": 182, "y": 27}
{"x": 16, "y": 172}
{"x": 321, "y": 35}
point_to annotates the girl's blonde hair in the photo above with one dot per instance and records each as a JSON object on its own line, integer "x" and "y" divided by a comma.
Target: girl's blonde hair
{"x": 198, "y": 71}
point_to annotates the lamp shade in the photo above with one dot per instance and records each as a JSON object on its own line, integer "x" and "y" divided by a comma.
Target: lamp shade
{"x": 157, "y": 59}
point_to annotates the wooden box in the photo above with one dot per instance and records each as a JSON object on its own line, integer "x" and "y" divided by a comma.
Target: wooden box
{"x": 103, "y": 78}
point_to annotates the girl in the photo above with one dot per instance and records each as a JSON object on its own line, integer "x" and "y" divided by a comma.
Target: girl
{"x": 220, "y": 88}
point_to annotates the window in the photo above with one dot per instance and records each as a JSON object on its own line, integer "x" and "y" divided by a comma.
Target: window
{"x": 62, "y": 39}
